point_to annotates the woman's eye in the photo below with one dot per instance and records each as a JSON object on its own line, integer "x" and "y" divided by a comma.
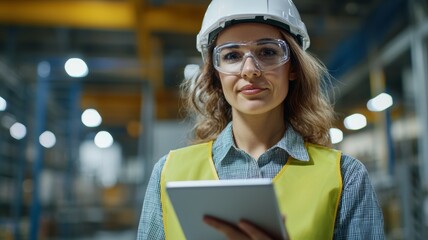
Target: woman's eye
{"x": 268, "y": 52}
{"x": 231, "y": 57}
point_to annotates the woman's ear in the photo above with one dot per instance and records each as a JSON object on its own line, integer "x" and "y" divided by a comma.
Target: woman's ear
{"x": 293, "y": 74}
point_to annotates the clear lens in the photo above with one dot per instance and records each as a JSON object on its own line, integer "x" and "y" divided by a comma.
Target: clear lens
{"x": 229, "y": 58}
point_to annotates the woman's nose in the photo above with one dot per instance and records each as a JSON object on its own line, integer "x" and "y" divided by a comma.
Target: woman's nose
{"x": 250, "y": 69}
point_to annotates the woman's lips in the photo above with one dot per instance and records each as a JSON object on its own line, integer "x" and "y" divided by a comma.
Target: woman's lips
{"x": 251, "y": 90}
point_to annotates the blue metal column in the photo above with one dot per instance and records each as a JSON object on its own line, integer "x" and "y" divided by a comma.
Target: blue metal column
{"x": 72, "y": 152}
{"x": 42, "y": 91}
{"x": 145, "y": 144}
{"x": 17, "y": 203}
{"x": 73, "y": 139}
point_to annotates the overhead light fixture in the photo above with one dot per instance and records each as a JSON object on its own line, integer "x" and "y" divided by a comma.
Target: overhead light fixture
{"x": 76, "y": 67}
{"x": 3, "y": 104}
{"x": 191, "y": 71}
{"x": 103, "y": 139}
{"x": 18, "y": 131}
{"x": 47, "y": 139}
{"x": 355, "y": 121}
{"x": 91, "y": 118}
{"x": 336, "y": 135}
{"x": 380, "y": 102}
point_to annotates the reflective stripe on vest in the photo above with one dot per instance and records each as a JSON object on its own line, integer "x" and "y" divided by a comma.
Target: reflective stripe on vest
{"x": 308, "y": 192}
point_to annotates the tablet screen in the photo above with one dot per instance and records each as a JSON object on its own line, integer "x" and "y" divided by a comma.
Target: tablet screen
{"x": 229, "y": 200}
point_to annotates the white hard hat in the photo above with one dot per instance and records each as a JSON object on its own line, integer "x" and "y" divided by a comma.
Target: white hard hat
{"x": 223, "y": 13}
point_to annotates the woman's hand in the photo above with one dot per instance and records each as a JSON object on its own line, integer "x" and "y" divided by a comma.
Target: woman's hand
{"x": 243, "y": 231}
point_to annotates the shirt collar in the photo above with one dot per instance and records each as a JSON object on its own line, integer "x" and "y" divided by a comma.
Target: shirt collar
{"x": 223, "y": 143}
{"x": 292, "y": 142}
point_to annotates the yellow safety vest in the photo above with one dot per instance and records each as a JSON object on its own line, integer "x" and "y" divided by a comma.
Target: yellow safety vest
{"x": 308, "y": 192}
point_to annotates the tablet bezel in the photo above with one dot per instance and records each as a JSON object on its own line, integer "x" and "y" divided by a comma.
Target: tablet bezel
{"x": 229, "y": 200}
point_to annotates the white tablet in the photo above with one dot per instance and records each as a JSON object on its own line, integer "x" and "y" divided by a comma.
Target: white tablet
{"x": 230, "y": 200}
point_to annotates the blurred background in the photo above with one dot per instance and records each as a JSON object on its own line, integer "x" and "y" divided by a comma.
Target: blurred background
{"x": 89, "y": 102}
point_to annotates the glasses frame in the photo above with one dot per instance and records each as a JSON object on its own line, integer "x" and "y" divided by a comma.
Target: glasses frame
{"x": 249, "y": 44}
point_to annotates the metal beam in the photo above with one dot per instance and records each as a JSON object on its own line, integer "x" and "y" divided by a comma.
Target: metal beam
{"x": 88, "y": 14}
{"x": 178, "y": 18}
{"x": 184, "y": 18}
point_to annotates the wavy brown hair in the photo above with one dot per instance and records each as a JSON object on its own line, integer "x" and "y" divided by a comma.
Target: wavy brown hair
{"x": 307, "y": 107}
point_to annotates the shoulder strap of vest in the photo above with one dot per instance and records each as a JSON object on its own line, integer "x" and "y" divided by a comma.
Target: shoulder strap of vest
{"x": 188, "y": 163}
{"x": 309, "y": 193}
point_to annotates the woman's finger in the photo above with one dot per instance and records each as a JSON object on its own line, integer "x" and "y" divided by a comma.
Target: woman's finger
{"x": 230, "y": 231}
{"x": 254, "y": 232}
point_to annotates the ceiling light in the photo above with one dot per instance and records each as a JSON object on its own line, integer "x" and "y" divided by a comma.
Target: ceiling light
{"x": 76, "y": 67}
{"x": 91, "y": 118}
{"x": 191, "y": 71}
{"x": 380, "y": 102}
{"x": 3, "y": 104}
{"x": 47, "y": 139}
{"x": 355, "y": 121}
{"x": 336, "y": 135}
{"x": 103, "y": 139}
{"x": 18, "y": 131}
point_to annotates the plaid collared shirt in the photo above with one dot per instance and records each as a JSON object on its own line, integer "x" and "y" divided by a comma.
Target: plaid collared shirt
{"x": 359, "y": 215}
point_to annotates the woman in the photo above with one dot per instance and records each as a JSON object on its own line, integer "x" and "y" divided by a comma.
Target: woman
{"x": 260, "y": 112}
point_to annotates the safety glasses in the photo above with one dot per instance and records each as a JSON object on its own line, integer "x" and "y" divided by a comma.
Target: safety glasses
{"x": 229, "y": 58}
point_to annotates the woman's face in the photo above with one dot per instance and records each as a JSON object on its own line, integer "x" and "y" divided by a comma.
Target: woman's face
{"x": 253, "y": 90}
